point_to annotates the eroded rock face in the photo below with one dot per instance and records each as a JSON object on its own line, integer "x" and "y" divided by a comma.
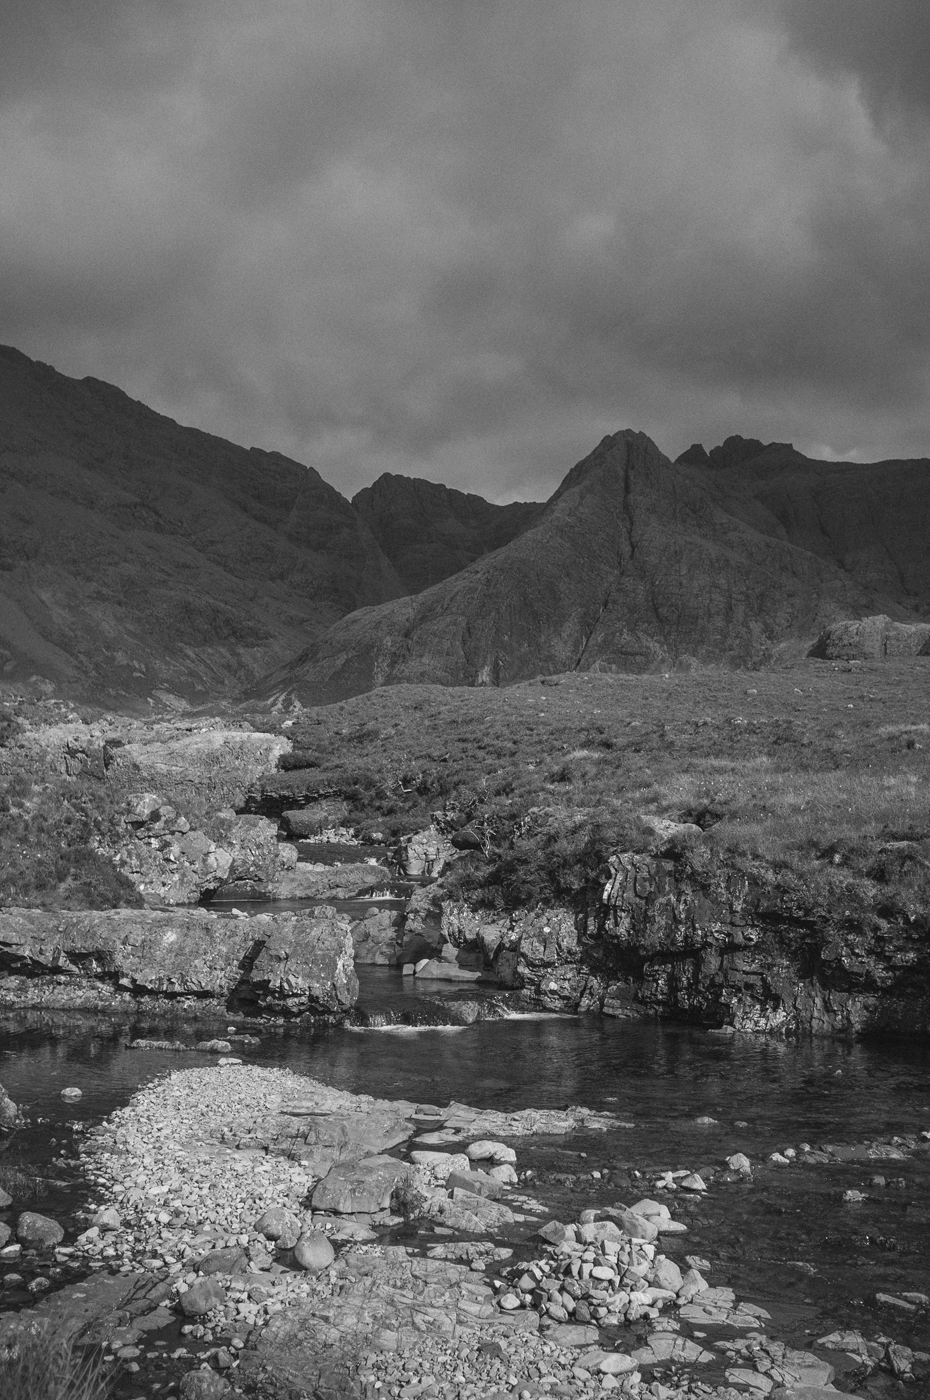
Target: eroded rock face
{"x": 698, "y": 939}
{"x": 287, "y": 964}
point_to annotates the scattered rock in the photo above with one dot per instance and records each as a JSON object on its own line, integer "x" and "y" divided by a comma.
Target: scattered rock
{"x": 202, "y": 1297}
{"x": 38, "y": 1231}
{"x": 314, "y": 1252}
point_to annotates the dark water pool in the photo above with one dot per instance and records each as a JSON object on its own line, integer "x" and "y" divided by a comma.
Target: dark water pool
{"x": 787, "y": 1241}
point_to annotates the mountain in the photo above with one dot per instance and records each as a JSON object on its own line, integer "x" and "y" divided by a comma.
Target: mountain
{"x": 429, "y": 532}
{"x": 138, "y": 556}
{"x": 870, "y": 520}
{"x": 634, "y": 564}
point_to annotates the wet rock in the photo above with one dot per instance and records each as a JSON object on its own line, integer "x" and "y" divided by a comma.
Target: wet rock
{"x": 214, "y": 1047}
{"x": 38, "y": 1231}
{"x": 204, "y": 1385}
{"x": 202, "y": 1297}
{"x": 72, "y": 1094}
{"x": 314, "y": 1252}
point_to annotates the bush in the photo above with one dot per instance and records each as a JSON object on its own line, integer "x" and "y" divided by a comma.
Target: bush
{"x": 52, "y": 846}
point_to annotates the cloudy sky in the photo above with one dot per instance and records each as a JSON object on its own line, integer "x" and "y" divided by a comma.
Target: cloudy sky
{"x": 463, "y": 239}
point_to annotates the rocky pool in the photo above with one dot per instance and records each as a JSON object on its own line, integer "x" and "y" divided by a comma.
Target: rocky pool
{"x": 785, "y": 1239}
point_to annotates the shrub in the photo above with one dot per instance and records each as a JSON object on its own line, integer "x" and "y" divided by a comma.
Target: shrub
{"x": 37, "y": 1362}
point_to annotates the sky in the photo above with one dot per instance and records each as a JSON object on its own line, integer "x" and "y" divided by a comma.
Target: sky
{"x": 465, "y": 239}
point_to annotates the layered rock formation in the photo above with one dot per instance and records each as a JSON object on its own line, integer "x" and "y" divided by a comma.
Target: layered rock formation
{"x": 139, "y": 557}
{"x": 283, "y": 964}
{"x": 634, "y": 564}
{"x": 694, "y": 938}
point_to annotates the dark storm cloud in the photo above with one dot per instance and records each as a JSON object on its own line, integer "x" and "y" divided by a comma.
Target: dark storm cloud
{"x": 464, "y": 241}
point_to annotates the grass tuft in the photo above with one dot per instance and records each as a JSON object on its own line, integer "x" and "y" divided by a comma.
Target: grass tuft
{"x": 37, "y": 1363}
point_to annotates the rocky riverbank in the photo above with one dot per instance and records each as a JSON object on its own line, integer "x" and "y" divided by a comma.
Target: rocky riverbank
{"x": 257, "y": 1232}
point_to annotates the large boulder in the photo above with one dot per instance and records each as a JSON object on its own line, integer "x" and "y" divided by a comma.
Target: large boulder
{"x": 425, "y": 854}
{"x": 379, "y": 937}
{"x": 366, "y": 1186}
{"x": 306, "y": 881}
{"x": 326, "y": 814}
{"x": 286, "y": 963}
{"x": 170, "y": 862}
{"x": 213, "y": 768}
{"x": 305, "y": 963}
{"x": 870, "y": 638}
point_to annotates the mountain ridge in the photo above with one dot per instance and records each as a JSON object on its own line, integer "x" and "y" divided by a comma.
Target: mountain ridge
{"x": 143, "y": 561}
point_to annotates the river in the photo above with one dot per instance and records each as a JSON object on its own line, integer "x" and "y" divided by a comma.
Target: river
{"x": 786, "y": 1241}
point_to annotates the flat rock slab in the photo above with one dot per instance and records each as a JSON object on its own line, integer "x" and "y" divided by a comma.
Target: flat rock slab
{"x": 92, "y": 1310}
{"x": 353, "y": 1187}
{"x": 390, "y": 1301}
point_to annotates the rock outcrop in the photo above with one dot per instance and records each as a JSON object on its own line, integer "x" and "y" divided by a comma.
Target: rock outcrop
{"x": 872, "y": 638}
{"x": 694, "y": 938}
{"x": 171, "y": 862}
{"x": 285, "y": 964}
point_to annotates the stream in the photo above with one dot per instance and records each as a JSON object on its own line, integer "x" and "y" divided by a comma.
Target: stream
{"x": 786, "y": 1240}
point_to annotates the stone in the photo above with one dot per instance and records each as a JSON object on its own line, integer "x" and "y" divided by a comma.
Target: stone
{"x": 5, "y": 1233}
{"x": 325, "y": 814}
{"x": 692, "y": 1182}
{"x": 477, "y": 1182}
{"x": 72, "y": 1093}
{"x": 636, "y": 1226}
{"x": 366, "y": 1186}
{"x": 5, "y": 1199}
{"x": 616, "y": 1363}
{"x": 488, "y": 1151}
{"x": 505, "y": 1173}
{"x": 572, "y": 1334}
{"x": 555, "y": 1232}
{"x": 651, "y": 1210}
{"x": 304, "y": 963}
{"x": 314, "y": 1252}
{"x": 739, "y": 1162}
{"x": 203, "y": 1296}
{"x": 280, "y": 1225}
{"x": 442, "y": 1165}
{"x": 107, "y": 1219}
{"x": 666, "y": 1274}
{"x": 214, "y": 1047}
{"x": 231, "y": 1260}
{"x": 662, "y": 1350}
{"x": 439, "y": 970}
{"x": 204, "y": 1385}
{"x": 38, "y": 1231}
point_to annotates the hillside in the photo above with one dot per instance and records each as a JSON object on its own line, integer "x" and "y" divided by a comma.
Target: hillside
{"x": 635, "y": 564}
{"x": 137, "y": 556}
{"x": 871, "y": 520}
{"x": 430, "y": 532}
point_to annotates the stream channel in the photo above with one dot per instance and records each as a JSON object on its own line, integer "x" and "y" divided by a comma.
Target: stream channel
{"x": 785, "y": 1239}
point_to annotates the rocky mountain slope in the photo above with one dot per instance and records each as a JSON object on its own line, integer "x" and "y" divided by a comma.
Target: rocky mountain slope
{"x": 871, "y": 520}
{"x": 138, "y": 556}
{"x": 430, "y": 532}
{"x": 635, "y": 564}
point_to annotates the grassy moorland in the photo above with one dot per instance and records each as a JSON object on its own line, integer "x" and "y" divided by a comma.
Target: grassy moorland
{"x": 820, "y": 769}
